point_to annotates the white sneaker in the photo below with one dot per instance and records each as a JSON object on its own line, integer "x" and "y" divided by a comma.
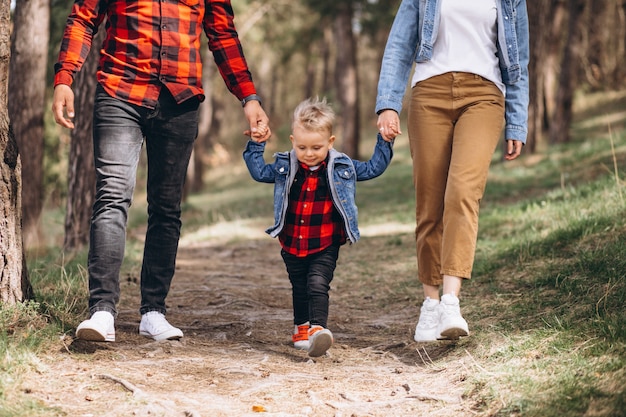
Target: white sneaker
{"x": 99, "y": 328}
{"x": 428, "y": 324}
{"x": 451, "y": 324}
{"x": 320, "y": 340}
{"x": 153, "y": 324}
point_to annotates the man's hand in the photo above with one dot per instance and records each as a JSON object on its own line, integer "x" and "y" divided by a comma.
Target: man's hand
{"x": 258, "y": 120}
{"x": 62, "y": 104}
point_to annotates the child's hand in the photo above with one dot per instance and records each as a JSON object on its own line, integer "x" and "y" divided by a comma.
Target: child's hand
{"x": 260, "y": 134}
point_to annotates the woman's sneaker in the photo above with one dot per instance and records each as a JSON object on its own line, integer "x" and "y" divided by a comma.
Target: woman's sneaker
{"x": 427, "y": 329}
{"x": 300, "y": 337}
{"x": 451, "y": 324}
{"x": 320, "y": 340}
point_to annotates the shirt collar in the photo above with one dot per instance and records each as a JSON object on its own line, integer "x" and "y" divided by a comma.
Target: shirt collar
{"x": 307, "y": 168}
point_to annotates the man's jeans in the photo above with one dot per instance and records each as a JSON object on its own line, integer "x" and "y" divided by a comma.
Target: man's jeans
{"x": 310, "y": 278}
{"x": 119, "y": 129}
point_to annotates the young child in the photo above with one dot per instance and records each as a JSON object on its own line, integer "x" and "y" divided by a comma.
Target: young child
{"x": 314, "y": 212}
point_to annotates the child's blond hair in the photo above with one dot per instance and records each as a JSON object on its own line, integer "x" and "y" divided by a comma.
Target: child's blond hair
{"x": 314, "y": 115}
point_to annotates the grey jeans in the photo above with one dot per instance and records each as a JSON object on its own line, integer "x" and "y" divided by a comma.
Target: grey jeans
{"x": 119, "y": 130}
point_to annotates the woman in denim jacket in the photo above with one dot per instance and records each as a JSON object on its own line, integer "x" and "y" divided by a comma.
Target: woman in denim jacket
{"x": 314, "y": 212}
{"x": 470, "y": 79}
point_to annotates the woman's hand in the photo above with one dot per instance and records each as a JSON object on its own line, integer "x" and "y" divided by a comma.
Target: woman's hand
{"x": 513, "y": 149}
{"x": 389, "y": 124}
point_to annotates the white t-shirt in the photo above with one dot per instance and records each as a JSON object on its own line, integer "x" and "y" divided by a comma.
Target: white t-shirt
{"x": 466, "y": 42}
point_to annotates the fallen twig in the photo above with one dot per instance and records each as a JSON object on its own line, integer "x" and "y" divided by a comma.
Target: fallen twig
{"x": 129, "y": 386}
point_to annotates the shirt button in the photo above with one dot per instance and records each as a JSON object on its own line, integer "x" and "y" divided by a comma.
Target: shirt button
{"x": 301, "y": 221}
{"x": 163, "y": 26}
{"x": 300, "y": 237}
{"x": 308, "y": 189}
{"x": 306, "y": 205}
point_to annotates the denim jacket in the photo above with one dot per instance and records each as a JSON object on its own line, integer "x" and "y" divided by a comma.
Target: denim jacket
{"x": 413, "y": 35}
{"x": 343, "y": 173}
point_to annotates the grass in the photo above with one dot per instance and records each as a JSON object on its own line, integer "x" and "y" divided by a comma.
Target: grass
{"x": 546, "y": 302}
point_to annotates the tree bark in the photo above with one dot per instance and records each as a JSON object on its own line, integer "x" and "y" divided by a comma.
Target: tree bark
{"x": 195, "y": 172}
{"x": 14, "y": 284}
{"x": 346, "y": 80}
{"x": 27, "y": 87}
{"x": 538, "y": 19}
{"x": 562, "y": 119}
{"x": 81, "y": 175}
{"x": 550, "y": 67}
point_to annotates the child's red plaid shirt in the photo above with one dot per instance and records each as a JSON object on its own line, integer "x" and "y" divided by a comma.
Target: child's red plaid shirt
{"x": 312, "y": 223}
{"x": 151, "y": 43}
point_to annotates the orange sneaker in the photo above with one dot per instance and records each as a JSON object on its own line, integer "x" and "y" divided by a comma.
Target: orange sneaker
{"x": 320, "y": 340}
{"x": 300, "y": 336}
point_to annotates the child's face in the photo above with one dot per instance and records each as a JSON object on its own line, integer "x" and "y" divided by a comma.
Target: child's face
{"x": 311, "y": 147}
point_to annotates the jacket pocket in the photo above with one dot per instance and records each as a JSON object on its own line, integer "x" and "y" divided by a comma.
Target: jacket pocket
{"x": 345, "y": 172}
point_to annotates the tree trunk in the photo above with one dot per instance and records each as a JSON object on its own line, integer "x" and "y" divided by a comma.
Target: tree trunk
{"x": 538, "y": 19}
{"x": 81, "y": 175}
{"x": 346, "y": 80}
{"x": 550, "y": 67}
{"x": 27, "y": 87}
{"x": 14, "y": 284}
{"x": 562, "y": 120}
{"x": 326, "y": 61}
{"x": 195, "y": 172}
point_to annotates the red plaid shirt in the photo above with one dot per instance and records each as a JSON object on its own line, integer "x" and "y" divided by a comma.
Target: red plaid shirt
{"x": 151, "y": 43}
{"x": 312, "y": 223}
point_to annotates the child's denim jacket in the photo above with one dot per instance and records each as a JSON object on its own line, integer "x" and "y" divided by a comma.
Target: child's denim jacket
{"x": 343, "y": 173}
{"x": 413, "y": 35}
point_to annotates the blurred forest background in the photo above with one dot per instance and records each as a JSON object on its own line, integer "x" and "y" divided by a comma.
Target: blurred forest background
{"x": 295, "y": 49}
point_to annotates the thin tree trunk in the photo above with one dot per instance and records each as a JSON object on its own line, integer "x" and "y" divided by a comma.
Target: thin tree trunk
{"x": 347, "y": 82}
{"x": 562, "y": 120}
{"x": 81, "y": 175}
{"x": 14, "y": 284}
{"x": 550, "y": 68}
{"x": 538, "y": 20}
{"x": 325, "y": 54}
{"x": 195, "y": 171}
{"x": 27, "y": 87}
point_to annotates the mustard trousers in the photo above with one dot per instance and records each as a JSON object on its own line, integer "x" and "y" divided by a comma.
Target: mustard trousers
{"x": 455, "y": 122}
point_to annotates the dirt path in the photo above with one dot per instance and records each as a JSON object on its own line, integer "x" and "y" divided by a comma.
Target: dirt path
{"x": 232, "y": 300}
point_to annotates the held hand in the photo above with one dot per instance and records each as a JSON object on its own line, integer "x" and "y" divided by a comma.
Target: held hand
{"x": 389, "y": 124}
{"x": 259, "y": 122}
{"x": 63, "y": 102}
{"x": 513, "y": 149}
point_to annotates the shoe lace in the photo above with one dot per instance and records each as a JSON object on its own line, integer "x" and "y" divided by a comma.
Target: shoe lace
{"x": 450, "y": 309}
{"x": 428, "y": 317}
{"x": 157, "y": 323}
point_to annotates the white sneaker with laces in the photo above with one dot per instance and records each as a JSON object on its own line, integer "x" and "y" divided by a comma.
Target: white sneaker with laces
{"x": 428, "y": 324}
{"x": 451, "y": 324}
{"x": 99, "y": 328}
{"x": 153, "y": 324}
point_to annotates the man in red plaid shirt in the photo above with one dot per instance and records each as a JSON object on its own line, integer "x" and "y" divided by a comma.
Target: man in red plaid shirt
{"x": 149, "y": 87}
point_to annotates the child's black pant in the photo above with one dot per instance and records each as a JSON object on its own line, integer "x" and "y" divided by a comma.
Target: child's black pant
{"x": 310, "y": 278}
